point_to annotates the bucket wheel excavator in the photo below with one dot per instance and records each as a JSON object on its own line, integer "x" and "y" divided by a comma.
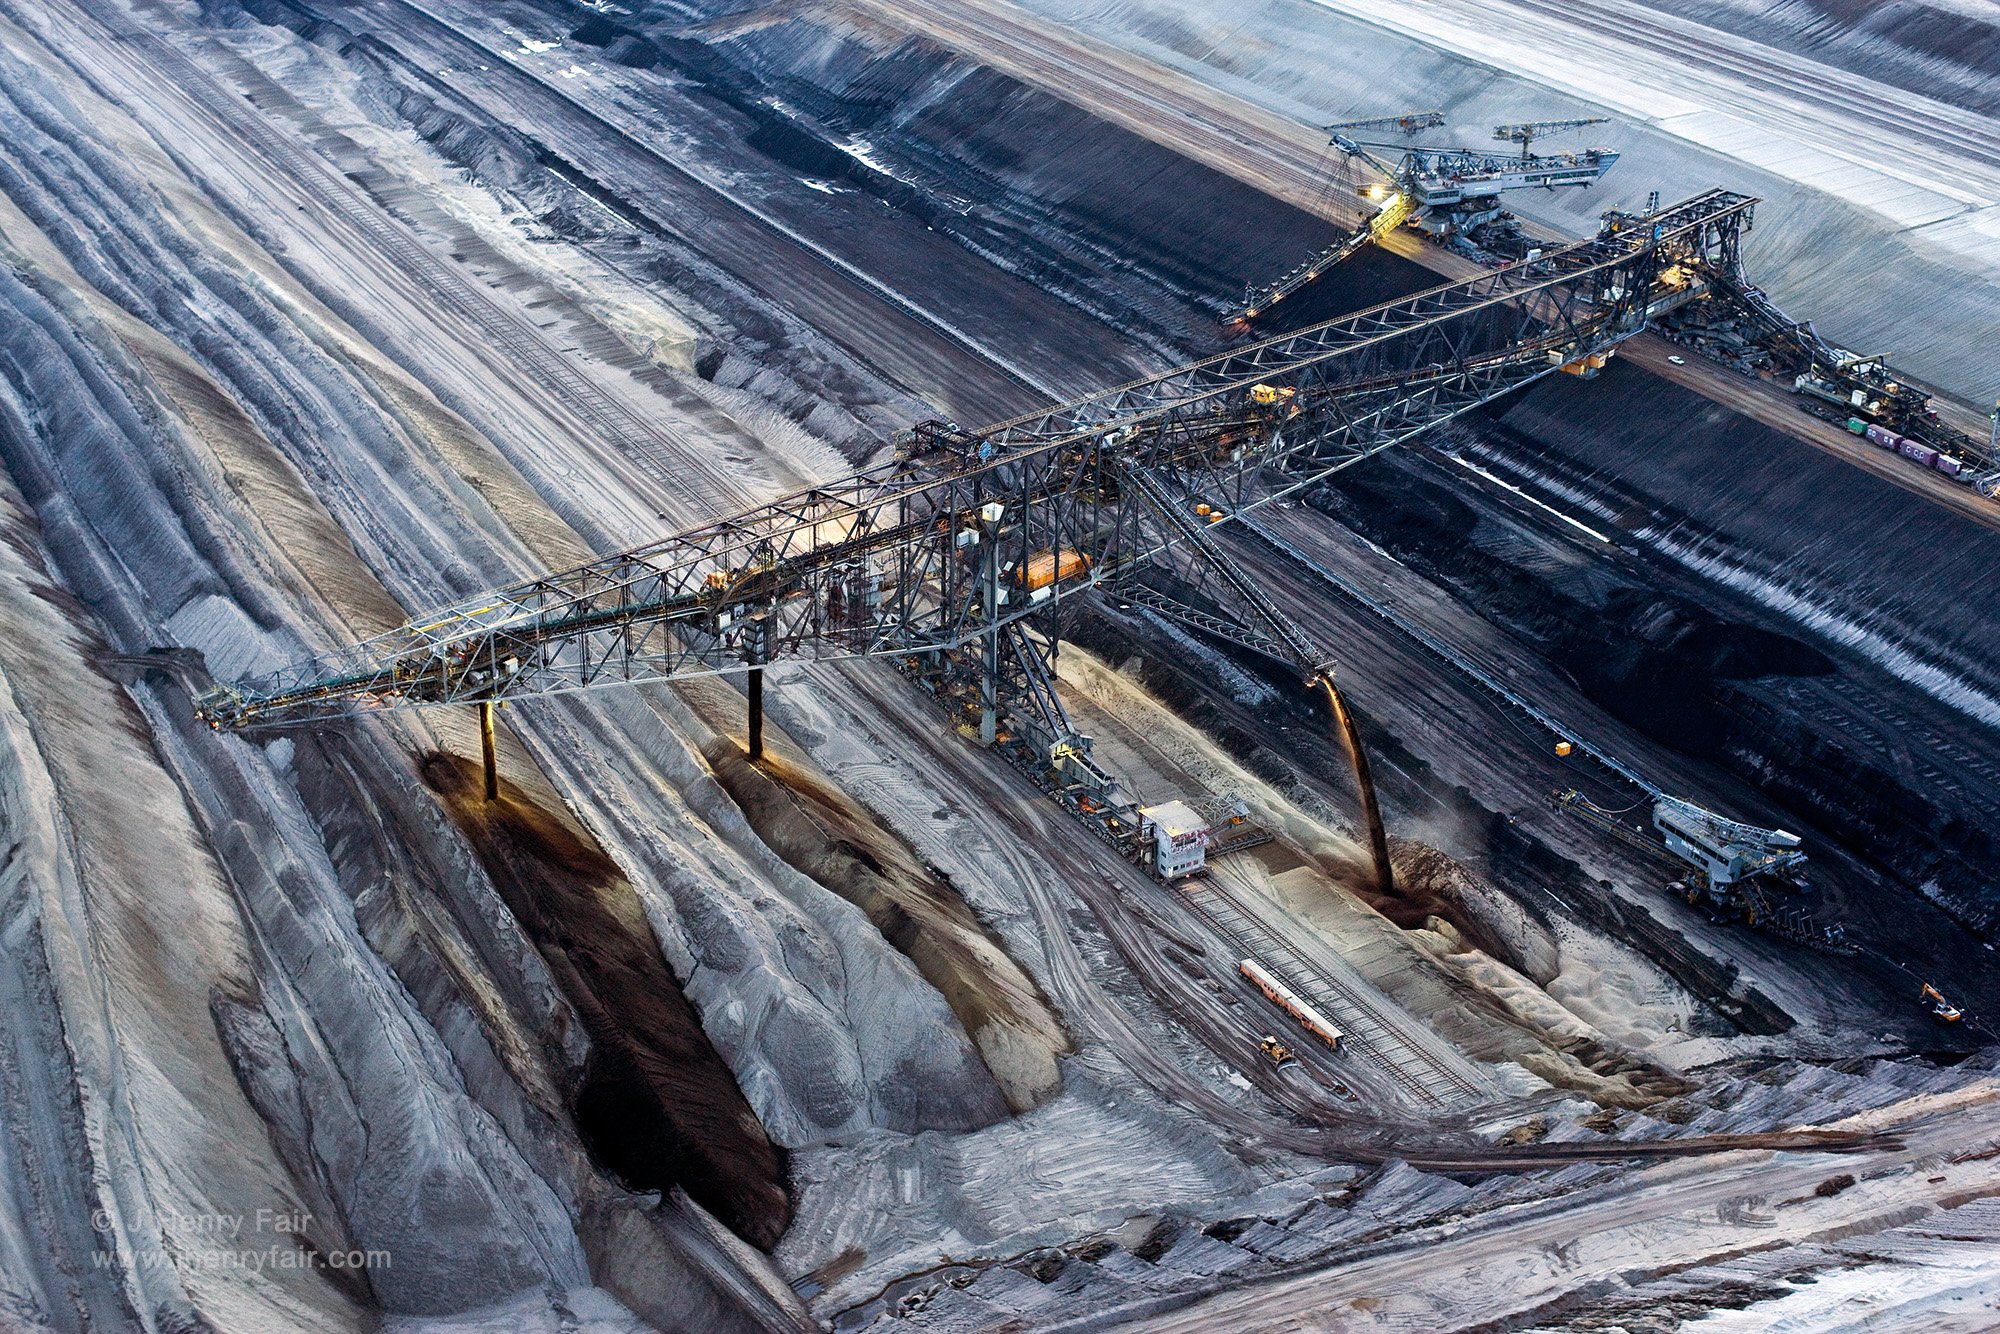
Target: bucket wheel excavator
{"x": 1441, "y": 191}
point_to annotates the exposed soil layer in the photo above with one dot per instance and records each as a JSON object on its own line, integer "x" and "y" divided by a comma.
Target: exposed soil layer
{"x": 1483, "y": 994}
{"x": 991, "y": 163}
{"x": 1943, "y": 50}
{"x": 1652, "y": 659}
{"x": 824, "y": 834}
{"x": 1432, "y": 885}
{"x": 654, "y": 1103}
{"x": 1118, "y": 225}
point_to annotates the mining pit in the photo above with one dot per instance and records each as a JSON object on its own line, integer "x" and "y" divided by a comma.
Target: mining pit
{"x": 323, "y": 314}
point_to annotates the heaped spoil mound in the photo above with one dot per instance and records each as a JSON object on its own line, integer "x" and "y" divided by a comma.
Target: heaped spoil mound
{"x": 654, "y": 1103}
{"x": 1431, "y": 884}
{"x": 827, "y": 835}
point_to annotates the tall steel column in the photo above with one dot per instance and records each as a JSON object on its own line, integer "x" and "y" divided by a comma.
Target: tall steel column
{"x": 488, "y": 752}
{"x": 989, "y": 680}
{"x": 755, "y": 649}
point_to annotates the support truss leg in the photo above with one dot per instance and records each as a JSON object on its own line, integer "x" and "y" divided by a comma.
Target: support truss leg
{"x": 989, "y": 690}
{"x": 488, "y": 755}
{"x": 989, "y": 682}
{"x": 757, "y": 651}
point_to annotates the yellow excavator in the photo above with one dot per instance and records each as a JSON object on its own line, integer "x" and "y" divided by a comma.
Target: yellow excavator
{"x": 1940, "y": 1007}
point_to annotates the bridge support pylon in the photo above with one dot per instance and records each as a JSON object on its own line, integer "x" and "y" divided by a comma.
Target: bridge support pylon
{"x": 989, "y": 582}
{"x": 488, "y": 755}
{"x": 754, "y": 690}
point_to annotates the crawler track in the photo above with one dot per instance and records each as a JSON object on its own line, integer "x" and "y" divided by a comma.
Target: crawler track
{"x": 579, "y": 130}
{"x": 665, "y": 458}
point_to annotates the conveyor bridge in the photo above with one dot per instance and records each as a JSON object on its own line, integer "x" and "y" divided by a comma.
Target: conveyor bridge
{"x": 966, "y": 539}
{"x": 959, "y": 555}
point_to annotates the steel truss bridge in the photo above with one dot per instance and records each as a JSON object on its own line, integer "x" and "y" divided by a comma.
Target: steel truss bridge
{"x": 961, "y": 555}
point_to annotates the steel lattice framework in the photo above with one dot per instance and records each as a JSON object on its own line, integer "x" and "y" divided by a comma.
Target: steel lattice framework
{"x": 1441, "y": 190}
{"x": 953, "y": 549}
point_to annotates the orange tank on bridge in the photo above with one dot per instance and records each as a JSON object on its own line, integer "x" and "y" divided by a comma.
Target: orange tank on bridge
{"x": 1048, "y": 567}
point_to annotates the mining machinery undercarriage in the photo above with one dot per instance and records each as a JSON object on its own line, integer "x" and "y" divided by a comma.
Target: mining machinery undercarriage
{"x": 1731, "y": 870}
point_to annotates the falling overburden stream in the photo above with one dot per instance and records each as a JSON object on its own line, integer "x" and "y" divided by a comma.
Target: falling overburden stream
{"x": 378, "y": 380}
{"x": 1364, "y": 782}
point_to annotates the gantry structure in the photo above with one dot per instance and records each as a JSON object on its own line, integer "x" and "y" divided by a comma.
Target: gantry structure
{"x": 962, "y": 555}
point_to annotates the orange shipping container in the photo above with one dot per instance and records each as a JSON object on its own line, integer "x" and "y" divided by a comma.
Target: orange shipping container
{"x": 1047, "y": 567}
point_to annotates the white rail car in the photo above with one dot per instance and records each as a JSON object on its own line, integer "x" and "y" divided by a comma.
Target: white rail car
{"x": 1291, "y": 1002}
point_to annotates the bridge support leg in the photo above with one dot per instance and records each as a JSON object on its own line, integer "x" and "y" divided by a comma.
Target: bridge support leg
{"x": 487, "y": 753}
{"x": 757, "y": 652}
{"x": 1371, "y": 810}
{"x": 989, "y": 682}
{"x": 989, "y": 692}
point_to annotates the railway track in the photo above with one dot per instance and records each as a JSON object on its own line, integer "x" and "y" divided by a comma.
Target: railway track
{"x": 1934, "y": 125}
{"x": 1365, "y": 1026}
{"x": 613, "y": 138}
{"x": 1048, "y": 902}
{"x": 664, "y": 458}
{"x": 1074, "y": 985}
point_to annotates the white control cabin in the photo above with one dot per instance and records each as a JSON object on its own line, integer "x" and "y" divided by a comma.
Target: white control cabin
{"x": 1180, "y": 838}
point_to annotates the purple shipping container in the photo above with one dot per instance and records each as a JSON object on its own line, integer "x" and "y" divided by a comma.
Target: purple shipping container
{"x": 1911, "y": 449}
{"x": 1886, "y": 438}
{"x": 1947, "y": 465}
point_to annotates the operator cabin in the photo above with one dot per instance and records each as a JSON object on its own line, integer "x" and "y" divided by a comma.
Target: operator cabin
{"x": 1180, "y": 838}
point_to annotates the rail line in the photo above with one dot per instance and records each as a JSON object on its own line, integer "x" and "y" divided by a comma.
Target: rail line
{"x": 656, "y": 453}
{"x": 1372, "y": 1031}
{"x": 664, "y": 458}
{"x": 1365, "y": 1027}
{"x": 1046, "y": 905}
{"x": 1347, "y": 591}
{"x": 624, "y": 141}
